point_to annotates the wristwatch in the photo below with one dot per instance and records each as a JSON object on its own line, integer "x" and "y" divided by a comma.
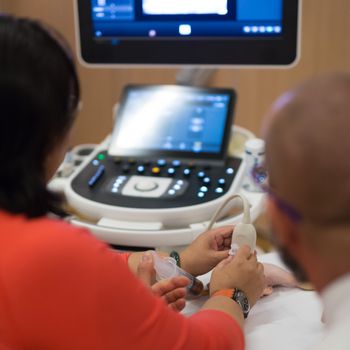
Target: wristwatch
{"x": 241, "y": 299}
{"x": 238, "y": 296}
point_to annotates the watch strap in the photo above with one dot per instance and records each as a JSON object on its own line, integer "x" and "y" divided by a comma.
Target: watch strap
{"x": 224, "y": 293}
{"x": 238, "y": 296}
{"x": 175, "y": 255}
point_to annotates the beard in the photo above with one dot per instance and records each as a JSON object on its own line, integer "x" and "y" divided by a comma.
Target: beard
{"x": 290, "y": 261}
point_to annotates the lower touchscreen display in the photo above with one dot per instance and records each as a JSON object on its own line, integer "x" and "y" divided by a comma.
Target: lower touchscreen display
{"x": 172, "y": 121}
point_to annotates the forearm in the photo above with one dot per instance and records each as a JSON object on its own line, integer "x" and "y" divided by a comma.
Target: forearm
{"x": 227, "y": 305}
{"x": 135, "y": 258}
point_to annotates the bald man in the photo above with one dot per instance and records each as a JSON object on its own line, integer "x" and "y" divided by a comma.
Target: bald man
{"x": 307, "y": 135}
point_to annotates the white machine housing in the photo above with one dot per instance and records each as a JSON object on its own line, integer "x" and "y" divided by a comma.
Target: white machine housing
{"x": 151, "y": 227}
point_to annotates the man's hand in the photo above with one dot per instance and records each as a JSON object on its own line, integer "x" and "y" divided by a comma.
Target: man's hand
{"x": 242, "y": 271}
{"x": 173, "y": 290}
{"x": 207, "y": 250}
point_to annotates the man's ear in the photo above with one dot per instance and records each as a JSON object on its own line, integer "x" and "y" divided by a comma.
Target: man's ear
{"x": 285, "y": 229}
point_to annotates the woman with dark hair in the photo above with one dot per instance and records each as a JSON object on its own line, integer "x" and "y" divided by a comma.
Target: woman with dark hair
{"x": 60, "y": 288}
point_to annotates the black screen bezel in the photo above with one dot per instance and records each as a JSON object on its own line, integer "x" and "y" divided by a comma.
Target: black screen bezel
{"x": 120, "y": 152}
{"x": 187, "y": 51}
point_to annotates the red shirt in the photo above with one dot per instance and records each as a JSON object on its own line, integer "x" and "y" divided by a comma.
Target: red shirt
{"x": 60, "y": 288}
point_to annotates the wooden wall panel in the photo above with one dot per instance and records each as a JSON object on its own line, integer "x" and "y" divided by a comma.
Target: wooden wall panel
{"x": 325, "y": 47}
{"x": 5, "y": 6}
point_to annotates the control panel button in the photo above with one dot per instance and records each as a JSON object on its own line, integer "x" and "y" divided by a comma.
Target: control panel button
{"x": 187, "y": 172}
{"x": 176, "y": 163}
{"x": 98, "y": 174}
{"x": 140, "y": 169}
{"x": 156, "y": 170}
{"x": 117, "y": 184}
{"x": 221, "y": 182}
{"x": 204, "y": 189}
{"x": 171, "y": 171}
{"x": 146, "y": 186}
{"x": 101, "y": 156}
{"x": 206, "y": 180}
{"x": 161, "y": 162}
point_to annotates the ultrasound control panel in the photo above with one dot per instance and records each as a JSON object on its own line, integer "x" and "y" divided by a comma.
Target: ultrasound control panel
{"x": 168, "y": 149}
{"x": 153, "y": 183}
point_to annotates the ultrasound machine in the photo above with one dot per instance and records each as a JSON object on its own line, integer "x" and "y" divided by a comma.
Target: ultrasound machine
{"x": 173, "y": 156}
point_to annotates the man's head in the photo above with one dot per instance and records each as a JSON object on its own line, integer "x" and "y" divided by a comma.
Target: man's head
{"x": 307, "y": 136}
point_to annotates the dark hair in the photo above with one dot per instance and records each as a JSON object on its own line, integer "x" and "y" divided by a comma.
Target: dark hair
{"x": 39, "y": 95}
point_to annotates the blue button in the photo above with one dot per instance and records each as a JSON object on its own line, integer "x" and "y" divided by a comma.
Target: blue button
{"x": 221, "y": 181}
{"x": 177, "y": 187}
{"x": 140, "y": 168}
{"x": 187, "y": 171}
{"x": 201, "y": 194}
{"x": 171, "y": 192}
{"x": 95, "y": 162}
{"x": 201, "y": 174}
{"x": 219, "y": 190}
{"x": 176, "y": 163}
{"x": 94, "y": 179}
{"x": 229, "y": 171}
{"x": 171, "y": 171}
{"x": 161, "y": 162}
{"x": 206, "y": 180}
{"x": 204, "y": 189}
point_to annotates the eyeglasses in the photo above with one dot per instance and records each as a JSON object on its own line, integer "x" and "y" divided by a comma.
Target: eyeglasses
{"x": 260, "y": 177}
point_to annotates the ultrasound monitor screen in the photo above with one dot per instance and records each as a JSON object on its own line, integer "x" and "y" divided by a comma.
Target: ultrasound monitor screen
{"x": 186, "y": 18}
{"x": 173, "y": 121}
{"x": 188, "y": 32}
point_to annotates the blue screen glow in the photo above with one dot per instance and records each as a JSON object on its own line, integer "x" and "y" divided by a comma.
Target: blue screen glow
{"x": 186, "y": 18}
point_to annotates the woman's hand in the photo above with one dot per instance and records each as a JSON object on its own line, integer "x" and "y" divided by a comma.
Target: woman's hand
{"x": 172, "y": 291}
{"x": 207, "y": 250}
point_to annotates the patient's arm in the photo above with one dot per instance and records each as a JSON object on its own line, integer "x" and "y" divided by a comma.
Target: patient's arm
{"x": 276, "y": 276}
